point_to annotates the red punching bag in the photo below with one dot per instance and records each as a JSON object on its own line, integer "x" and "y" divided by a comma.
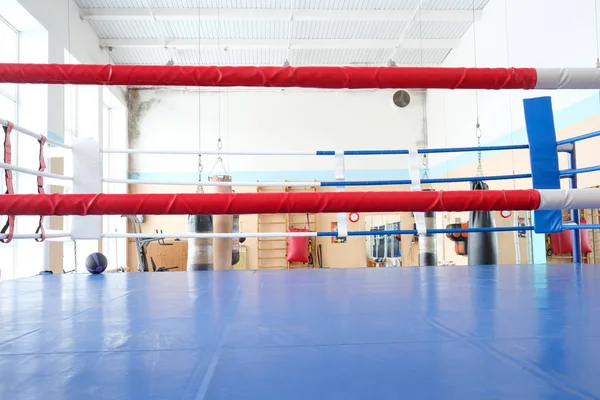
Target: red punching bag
{"x": 297, "y": 247}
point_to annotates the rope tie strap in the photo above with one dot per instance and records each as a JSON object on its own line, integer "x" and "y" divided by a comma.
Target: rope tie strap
{"x": 40, "y": 184}
{"x": 8, "y": 176}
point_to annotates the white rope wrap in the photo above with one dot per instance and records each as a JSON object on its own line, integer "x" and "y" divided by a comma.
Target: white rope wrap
{"x": 415, "y": 186}
{"x": 568, "y": 78}
{"x": 568, "y": 199}
{"x": 340, "y": 176}
{"x": 87, "y": 178}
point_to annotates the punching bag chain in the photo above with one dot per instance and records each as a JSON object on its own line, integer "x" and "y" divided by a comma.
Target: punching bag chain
{"x": 478, "y": 134}
{"x": 200, "y": 188}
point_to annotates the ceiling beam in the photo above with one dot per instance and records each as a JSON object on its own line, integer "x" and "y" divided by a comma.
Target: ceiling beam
{"x": 104, "y": 14}
{"x": 281, "y": 43}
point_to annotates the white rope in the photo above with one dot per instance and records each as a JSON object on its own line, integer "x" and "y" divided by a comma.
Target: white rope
{"x": 569, "y": 199}
{"x": 37, "y": 136}
{"x": 23, "y": 170}
{"x": 206, "y": 235}
{"x": 211, "y": 183}
{"x": 208, "y": 153}
{"x": 48, "y": 235}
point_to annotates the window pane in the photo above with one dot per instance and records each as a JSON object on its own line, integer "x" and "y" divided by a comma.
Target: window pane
{"x": 6, "y": 262}
{"x": 9, "y": 53}
{"x": 8, "y": 109}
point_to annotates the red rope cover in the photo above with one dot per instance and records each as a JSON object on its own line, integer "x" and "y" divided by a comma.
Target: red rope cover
{"x": 308, "y": 77}
{"x": 263, "y": 203}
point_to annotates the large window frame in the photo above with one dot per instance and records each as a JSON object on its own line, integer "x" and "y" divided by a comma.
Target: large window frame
{"x": 9, "y": 103}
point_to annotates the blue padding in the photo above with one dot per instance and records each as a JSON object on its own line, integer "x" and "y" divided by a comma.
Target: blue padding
{"x": 539, "y": 121}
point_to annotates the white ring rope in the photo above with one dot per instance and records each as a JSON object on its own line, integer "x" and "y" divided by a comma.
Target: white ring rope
{"x": 208, "y": 153}
{"x": 34, "y": 135}
{"x": 16, "y": 168}
{"x": 236, "y": 235}
{"x": 49, "y": 235}
{"x": 210, "y": 183}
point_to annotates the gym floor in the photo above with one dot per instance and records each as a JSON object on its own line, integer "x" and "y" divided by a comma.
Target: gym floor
{"x": 516, "y": 332}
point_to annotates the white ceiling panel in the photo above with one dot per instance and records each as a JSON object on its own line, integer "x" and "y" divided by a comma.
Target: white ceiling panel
{"x": 265, "y": 32}
{"x": 155, "y": 56}
{"x": 418, "y": 57}
{"x": 438, "y": 30}
{"x": 339, "y": 56}
{"x": 130, "y": 29}
{"x": 287, "y": 4}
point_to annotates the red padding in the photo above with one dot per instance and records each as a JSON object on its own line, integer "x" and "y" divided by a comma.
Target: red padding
{"x": 297, "y": 247}
{"x": 562, "y": 242}
{"x": 267, "y": 203}
{"x": 308, "y": 77}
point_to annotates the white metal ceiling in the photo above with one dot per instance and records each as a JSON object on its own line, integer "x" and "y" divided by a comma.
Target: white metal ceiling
{"x": 269, "y": 32}
{"x": 287, "y": 4}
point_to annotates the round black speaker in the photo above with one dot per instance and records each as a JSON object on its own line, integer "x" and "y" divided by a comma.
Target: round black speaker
{"x": 401, "y": 98}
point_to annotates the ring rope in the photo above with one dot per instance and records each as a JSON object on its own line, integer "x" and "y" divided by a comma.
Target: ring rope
{"x": 268, "y": 203}
{"x": 8, "y": 177}
{"x": 269, "y": 76}
{"x": 40, "y": 183}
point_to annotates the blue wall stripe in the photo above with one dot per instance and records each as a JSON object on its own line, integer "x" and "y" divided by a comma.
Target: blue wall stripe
{"x": 56, "y": 137}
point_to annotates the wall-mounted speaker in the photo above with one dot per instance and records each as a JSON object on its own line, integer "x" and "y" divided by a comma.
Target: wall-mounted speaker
{"x": 401, "y": 98}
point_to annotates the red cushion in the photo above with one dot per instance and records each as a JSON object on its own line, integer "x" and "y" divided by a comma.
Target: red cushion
{"x": 297, "y": 247}
{"x": 562, "y": 242}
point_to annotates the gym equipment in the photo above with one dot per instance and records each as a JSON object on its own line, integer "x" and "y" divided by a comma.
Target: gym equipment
{"x": 297, "y": 250}
{"x": 427, "y": 243}
{"x": 482, "y": 247}
{"x": 142, "y": 243}
{"x": 460, "y": 239}
{"x": 96, "y": 263}
{"x": 200, "y": 250}
{"x": 161, "y": 269}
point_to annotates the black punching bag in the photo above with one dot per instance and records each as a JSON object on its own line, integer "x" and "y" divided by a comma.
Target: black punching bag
{"x": 482, "y": 247}
{"x": 200, "y": 251}
{"x": 235, "y": 247}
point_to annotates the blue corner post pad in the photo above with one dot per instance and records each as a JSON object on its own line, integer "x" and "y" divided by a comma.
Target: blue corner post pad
{"x": 539, "y": 121}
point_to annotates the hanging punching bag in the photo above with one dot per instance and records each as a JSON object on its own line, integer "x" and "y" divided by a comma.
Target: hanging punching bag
{"x": 200, "y": 251}
{"x": 235, "y": 246}
{"x": 482, "y": 247}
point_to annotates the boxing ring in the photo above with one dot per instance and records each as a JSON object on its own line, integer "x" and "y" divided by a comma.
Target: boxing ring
{"x": 510, "y": 331}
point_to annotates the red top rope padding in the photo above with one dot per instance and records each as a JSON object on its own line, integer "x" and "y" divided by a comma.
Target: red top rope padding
{"x": 8, "y": 176}
{"x": 306, "y": 77}
{"x": 268, "y": 203}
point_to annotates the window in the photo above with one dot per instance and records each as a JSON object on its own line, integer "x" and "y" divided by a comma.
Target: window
{"x": 9, "y": 53}
{"x": 114, "y": 135}
{"x": 383, "y": 246}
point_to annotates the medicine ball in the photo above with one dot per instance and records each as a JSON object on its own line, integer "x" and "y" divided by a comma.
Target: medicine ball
{"x": 96, "y": 263}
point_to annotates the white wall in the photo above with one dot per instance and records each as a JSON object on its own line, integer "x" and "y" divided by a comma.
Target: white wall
{"x": 273, "y": 120}
{"x": 532, "y": 33}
